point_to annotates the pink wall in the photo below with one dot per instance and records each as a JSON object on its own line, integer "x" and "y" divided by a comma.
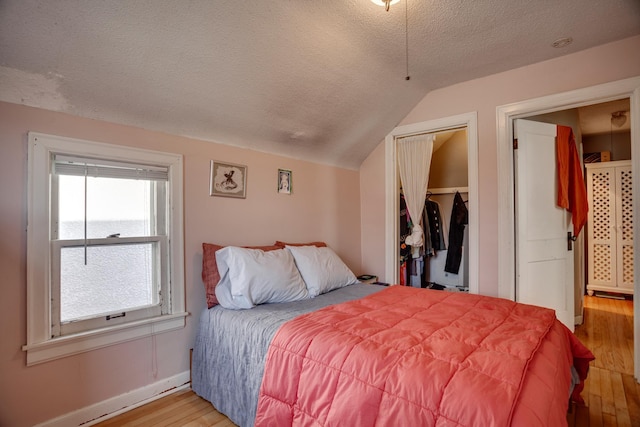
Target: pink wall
{"x": 324, "y": 206}
{"x": 614, "y": 61}
{"x": 372, "y": 196}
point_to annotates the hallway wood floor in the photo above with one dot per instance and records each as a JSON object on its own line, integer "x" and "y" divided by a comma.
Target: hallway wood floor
{"x": 611, "y": 394}
{"x": 612, "y": 397}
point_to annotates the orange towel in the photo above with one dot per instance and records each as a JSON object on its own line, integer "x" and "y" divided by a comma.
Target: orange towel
{"x": 572, "y": 193}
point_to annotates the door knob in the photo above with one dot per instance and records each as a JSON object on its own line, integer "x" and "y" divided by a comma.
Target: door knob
{"x": 570, "y": 239}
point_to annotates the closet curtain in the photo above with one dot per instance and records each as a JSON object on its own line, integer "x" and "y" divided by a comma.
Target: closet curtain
{"x": 414, "y": 162}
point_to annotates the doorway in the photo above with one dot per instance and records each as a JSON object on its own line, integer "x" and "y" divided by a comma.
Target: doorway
{"x": 392, "y": 190}
{"x": 603, "y": 136}
{"x": 629, "y": 88}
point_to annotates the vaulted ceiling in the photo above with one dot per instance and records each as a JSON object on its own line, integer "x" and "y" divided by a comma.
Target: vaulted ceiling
{"x": 317, "y": 80}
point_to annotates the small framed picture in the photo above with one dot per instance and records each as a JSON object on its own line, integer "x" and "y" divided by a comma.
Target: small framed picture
{"x": 228, "y": 180}
{"x": 284, "y": 181}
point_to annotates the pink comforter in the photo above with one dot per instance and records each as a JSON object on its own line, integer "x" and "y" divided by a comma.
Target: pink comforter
{"x": 415, "y": 357}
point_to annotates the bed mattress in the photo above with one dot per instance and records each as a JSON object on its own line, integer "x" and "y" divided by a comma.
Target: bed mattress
{"x": 231, "y": 347}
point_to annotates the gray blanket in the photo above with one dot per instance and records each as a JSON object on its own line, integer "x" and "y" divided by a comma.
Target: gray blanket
{"x": 231, "y": 346}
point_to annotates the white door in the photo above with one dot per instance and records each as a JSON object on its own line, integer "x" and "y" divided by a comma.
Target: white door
{"x": 544, "y": 263}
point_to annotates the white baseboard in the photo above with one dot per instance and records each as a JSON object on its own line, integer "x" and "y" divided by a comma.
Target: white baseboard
{"x": 109, "y": 408}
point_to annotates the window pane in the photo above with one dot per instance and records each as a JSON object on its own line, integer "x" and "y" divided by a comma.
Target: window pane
{"x": 124, "y": 206}
{"x": 116, "y": 278}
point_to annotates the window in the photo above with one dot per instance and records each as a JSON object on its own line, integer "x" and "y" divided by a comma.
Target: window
{"x": 105, "y": 245}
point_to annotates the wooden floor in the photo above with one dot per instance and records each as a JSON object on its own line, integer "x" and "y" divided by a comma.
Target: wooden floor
{"x": 612, "y": 397}
{"x": 181, "y": 409}
{"x": 611, "y": 394}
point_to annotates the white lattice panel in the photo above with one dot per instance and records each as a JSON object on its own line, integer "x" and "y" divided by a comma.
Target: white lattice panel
{"x": 627, "y": 266}
{"x": 610, "y": 227}
{"x": 602, "y": 204}
{"x": 626, "y": 201}
{"x": 624, "y": 206}
{"x": 602, "y": 264}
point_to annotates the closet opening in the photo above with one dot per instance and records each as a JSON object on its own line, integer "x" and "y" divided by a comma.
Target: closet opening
{"x": 453, "y": 174}
{"x": 442, "y": 261}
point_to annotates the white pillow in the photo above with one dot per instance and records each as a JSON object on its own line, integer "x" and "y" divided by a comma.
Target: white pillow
{"x": 321, "y": 268}
{"x": 251, "y": 276}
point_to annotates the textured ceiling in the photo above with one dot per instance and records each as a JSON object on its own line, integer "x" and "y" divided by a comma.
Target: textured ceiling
{"x": 317, "y": 80}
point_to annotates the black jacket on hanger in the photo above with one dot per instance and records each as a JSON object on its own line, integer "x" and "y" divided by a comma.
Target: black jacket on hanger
{"x": 434, "y": 221}
{"x": 459, "y": 218}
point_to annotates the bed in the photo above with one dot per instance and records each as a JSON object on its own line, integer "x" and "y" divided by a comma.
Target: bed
{"x": 362, "y": 354}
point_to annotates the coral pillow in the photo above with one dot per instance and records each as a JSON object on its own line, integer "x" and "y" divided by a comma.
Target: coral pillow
{"x": 316, "y": 244}
{"x": 210, "y": 274}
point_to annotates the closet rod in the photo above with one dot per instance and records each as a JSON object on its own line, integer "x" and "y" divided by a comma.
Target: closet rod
{"x": 448, "y": 190}
{"x": 432, "y": 132}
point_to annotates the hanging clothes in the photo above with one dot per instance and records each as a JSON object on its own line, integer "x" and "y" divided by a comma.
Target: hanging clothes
{"x": 459, "y": 219}
{"x": 405, "y": 230}
{"x": 435, "y": 226}
{"x": 427, "y": 247}
{"x": 572, "y": 194}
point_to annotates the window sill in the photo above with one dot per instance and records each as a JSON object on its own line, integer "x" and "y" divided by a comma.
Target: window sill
{"x": 59, "y": 347}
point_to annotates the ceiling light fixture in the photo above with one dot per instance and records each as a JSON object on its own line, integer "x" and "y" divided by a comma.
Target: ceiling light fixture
{"x": 618, "y": 118}
{"x": 385, "y": 3}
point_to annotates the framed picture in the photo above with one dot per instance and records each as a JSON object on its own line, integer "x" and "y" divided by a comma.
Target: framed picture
{"x": 228, "y": 180}
{"x": 284, "y": 181}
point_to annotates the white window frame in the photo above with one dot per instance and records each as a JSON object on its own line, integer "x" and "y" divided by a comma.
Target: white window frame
{"x": 41, "y": 346}
{"x": 107, "y": 319}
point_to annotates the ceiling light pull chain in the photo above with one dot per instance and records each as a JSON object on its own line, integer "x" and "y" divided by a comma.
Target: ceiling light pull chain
{"x": 387, "y": 4}
{"x": 406, "y": 36}
{"x": 86, "y": 172}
